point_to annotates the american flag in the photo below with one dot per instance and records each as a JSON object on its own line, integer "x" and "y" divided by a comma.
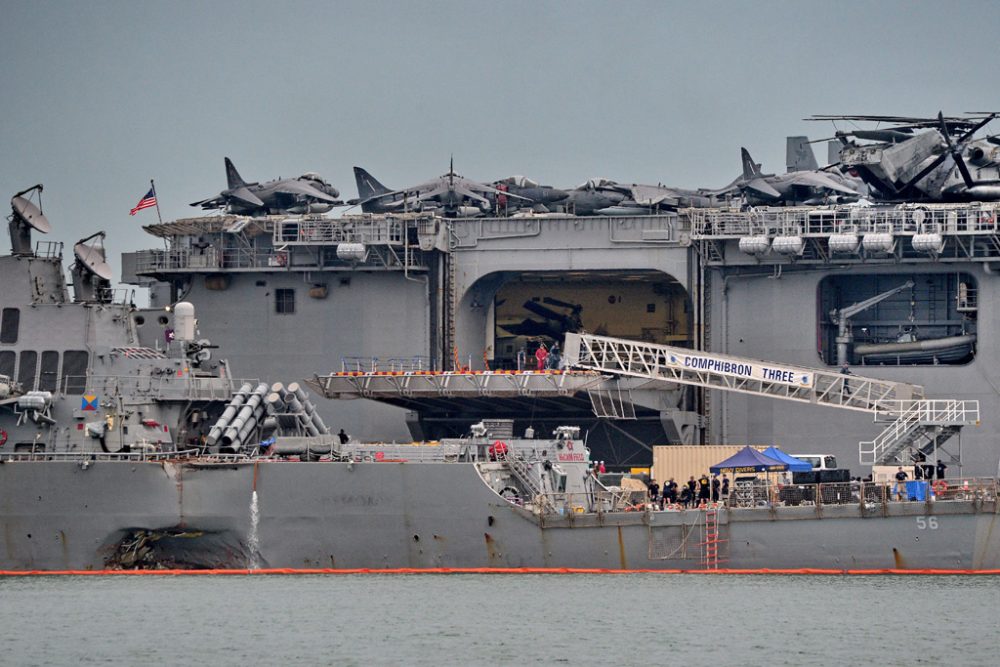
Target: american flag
{"x": 148, "y": 200}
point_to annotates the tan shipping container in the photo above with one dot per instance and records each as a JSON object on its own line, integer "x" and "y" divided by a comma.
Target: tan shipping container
{"x": 683, "y": 461}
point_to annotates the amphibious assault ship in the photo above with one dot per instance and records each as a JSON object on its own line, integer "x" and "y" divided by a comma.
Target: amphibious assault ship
{"x": 900, "y": 292}
{"x": 129, "y": 443}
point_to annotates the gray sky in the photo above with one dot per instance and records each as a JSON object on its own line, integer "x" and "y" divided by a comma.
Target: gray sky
{"x": 99, "y": 97}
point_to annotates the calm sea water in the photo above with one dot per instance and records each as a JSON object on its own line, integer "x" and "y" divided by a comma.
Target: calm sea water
{"x": 636, "y": 619}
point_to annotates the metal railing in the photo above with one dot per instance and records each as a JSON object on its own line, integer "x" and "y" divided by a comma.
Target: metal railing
{"x": 49, "y": 249}
{"x": 88, "y": 457}
{"x": 184, "y": 259}
{"x": 947, "y": 219}
{"x": 768, "y": 495}
{"x": 189, "y": 387}
{"x": 930, "y": 411}
{"x": 749, "y": 376}
{"x": 383, "y": 230}
{"x": 914, "y": 418}
{"x": 391, "y": 365}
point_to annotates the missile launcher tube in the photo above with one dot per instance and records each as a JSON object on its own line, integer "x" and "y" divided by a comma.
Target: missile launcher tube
{"x": 216, "y": 432}
{"x": 236, "y": 425}
{"x": 308, "y": 408}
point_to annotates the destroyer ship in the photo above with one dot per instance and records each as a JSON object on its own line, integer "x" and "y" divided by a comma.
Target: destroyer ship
{"x": 129, "y": 443}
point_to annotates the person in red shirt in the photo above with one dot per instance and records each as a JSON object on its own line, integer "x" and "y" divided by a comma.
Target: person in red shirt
{"x": 540, "y": 355}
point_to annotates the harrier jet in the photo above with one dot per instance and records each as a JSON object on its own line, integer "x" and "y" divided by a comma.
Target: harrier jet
{"x": 307, "y": 193}
{"x": 808, "y": 186}
{"x": 538, "y": 195}
{"x": 454, "y": 195}
{"x": 600, "y": 196}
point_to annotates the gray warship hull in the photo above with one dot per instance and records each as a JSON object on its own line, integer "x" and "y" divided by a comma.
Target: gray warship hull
{"x": 99, "y": 400}
{"x": 66, "y": 516}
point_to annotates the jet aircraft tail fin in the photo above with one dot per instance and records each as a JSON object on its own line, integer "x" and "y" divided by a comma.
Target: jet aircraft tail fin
{"x": 799, "y": 155}
{"x": 233, "y": 176}
{"x": 368, "y": 186}
{"x": 751, "y": 169}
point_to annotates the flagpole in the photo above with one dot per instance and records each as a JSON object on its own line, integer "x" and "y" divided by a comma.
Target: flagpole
{"x": 153, "y": 187}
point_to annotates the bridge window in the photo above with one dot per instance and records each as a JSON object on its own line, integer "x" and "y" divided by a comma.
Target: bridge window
{"x": 26, "y": 370}
{"x": 10, "y": 321}
{"x": 48, "y": 379}
{"x": 284, "y": 301}
{"x": 75, "y": 371}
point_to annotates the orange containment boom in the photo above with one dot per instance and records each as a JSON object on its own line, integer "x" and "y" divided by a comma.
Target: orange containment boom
{"x": 490, "y": 570}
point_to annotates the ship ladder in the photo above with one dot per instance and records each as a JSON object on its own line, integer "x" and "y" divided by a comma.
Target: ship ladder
{"x": 450, "y": 311}
{"x": 521, "y": 470}
{"x": 710, "y": 542}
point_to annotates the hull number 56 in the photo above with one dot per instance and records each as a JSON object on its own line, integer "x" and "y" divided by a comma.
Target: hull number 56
{"x": 927, "y": 522}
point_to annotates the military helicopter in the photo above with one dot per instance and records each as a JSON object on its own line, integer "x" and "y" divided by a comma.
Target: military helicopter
{"x": 923, "y": 159}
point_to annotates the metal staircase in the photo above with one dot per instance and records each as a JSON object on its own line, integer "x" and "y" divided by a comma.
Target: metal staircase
{"x": 521, "y": 470}
{"x": 918, "y": 426}
{"x": 449, "y": 309}
{"x": 915, "y": 421}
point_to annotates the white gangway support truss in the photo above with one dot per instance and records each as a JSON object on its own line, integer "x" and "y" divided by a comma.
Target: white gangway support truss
{"x": 729, "y": 373}
{"x": 901, "y": 404}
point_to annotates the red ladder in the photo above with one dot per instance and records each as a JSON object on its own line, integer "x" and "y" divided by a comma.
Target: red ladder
{"x": 710, "y": 545}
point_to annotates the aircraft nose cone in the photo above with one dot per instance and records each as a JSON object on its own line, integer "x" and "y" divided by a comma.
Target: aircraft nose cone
{"x": 555, "y": 195}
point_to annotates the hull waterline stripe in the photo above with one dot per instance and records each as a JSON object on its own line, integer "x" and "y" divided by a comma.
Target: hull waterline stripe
{"x": 493, "y": 570}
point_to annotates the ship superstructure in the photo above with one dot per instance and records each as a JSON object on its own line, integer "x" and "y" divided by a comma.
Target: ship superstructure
{"x": 895, "y": 289}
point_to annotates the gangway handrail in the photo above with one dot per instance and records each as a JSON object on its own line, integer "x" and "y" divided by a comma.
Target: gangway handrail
{"x": 730, "y": 373}
{"x": 912, "y": 415}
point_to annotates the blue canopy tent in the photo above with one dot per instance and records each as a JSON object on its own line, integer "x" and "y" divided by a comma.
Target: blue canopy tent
{"x": 794, "y": 464}
{"x": 749, "y": 459}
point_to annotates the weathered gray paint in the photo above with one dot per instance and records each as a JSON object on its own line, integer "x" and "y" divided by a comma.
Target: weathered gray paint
{"x": 425, "y": 515}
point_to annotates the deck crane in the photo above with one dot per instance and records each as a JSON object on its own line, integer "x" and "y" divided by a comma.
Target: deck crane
{"x": 842, "y": 318}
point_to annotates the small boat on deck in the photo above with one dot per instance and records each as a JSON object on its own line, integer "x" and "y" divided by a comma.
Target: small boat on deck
{"x": 909, "y": 350}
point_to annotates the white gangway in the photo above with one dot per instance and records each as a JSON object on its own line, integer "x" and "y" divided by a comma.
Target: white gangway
{"x": 914, "y": 421}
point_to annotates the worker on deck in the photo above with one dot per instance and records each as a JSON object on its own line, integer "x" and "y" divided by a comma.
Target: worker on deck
{"x": 541, "y": 354}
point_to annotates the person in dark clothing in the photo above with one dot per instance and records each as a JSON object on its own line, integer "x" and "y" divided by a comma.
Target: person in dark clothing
{"x": 686, "y": 496}
{"x": 552, "y": 361}
{"x": 725, "y": 486}
{"x": 343, "y": 437}
{"x": 704, "y": 489}
{"x": 846, "y": 390}
{"x": 692, "y": 486}
{"x": 941, "y": 467}
{"x": 901, "y": 478}
{"x": 716, "y": 484}
{"x": 670, "y": 491}
{"x": 654, "y": 490}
